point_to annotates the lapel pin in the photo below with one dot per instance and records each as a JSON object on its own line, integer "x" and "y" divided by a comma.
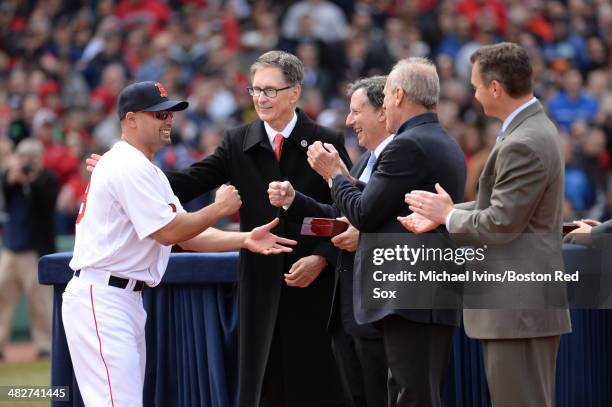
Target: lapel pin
{"x": 304, "y": 143}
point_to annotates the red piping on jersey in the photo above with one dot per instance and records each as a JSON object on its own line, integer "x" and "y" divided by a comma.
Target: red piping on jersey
{"x": 100, "y": 342}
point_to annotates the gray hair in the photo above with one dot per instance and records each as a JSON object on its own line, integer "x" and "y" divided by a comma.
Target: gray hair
{"x": 30, "y": 147}
{"x": 419, "y": 80}
{"x": 290, "y": 65}
{"x": 373, "y": 87}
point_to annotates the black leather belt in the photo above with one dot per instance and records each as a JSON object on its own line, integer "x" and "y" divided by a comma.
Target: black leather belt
{"x": 119, "y": 282}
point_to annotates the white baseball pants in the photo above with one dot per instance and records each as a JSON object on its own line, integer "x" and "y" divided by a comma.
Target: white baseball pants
{"x": 105, "y": 330}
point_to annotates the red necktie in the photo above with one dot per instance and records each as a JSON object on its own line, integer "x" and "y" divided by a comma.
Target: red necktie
{"x": 278, "y": 146}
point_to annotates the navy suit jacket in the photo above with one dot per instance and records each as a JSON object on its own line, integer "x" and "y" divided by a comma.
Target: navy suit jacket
{"x": 421, "y": 155}
{"x": 342, "y": 302}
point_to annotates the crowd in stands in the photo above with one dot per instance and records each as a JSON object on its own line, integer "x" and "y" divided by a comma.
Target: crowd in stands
{"x": 63, "y": 62}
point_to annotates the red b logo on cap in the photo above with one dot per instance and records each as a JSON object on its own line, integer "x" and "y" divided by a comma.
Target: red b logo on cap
{"x": 162, "y": 90}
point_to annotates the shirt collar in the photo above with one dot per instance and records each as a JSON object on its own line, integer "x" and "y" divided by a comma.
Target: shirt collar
{"x": 379, "y": 148}
{"x": 285, "y": 132}
{"x": 516, "y": 112}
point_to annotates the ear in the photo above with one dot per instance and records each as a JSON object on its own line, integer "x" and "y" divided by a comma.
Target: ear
{"x": 399, "y": 95}
{"x": 381, "y": 116}
{"x": 130, "y": 120}
{"x": 296, "y": 92}
{"x": 496, "y": 88}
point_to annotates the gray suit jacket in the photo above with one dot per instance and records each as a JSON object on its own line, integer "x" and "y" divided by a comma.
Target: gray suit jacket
{"x": 520, "y": 192}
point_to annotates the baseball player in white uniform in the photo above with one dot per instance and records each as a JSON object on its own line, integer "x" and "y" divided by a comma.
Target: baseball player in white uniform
{"x": 127, "y": 223}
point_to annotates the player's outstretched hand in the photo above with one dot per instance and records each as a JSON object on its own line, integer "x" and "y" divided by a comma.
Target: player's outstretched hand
{"x": 92, "y": 161}
{"x": 262, "y": 240}
{"x": 228, "y": 199}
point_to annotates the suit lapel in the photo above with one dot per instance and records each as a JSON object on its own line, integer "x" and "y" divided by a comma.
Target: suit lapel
{"x": 304, "y": 133}
{"x": 296, "y": 146}
{"x": 256, "y": 137}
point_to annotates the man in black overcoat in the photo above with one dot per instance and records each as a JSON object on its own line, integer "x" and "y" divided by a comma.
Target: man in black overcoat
{"x": 285, "y": 353}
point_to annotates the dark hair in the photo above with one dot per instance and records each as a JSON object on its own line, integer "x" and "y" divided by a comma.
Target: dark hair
{"x": 507, "y": 63}
{"x": 373, "y": 87}
{"x": 290, "y": 65}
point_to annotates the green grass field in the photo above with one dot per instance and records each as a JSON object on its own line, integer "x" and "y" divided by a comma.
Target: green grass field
{"x": 23, "y": 374}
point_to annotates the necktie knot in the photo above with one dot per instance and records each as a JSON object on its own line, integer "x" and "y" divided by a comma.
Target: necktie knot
{"x": 278, "y": 146}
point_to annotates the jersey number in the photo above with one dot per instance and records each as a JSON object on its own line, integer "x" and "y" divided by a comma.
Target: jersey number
{"x": 83, "y": 206}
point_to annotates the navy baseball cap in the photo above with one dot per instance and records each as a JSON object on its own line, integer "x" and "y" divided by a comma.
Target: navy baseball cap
{"x": 147, "y": 97}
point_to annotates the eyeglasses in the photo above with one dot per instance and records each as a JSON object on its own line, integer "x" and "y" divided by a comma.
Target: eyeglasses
{"x": 269, "y": 92}
{"x": 164, "y": 115}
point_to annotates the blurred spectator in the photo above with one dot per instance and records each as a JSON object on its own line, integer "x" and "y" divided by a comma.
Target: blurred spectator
{"x": 70, "y": 57}
{"x": 578, "y": 191}
{"x": 56, "y": 156}
{"x": 565, "y": 47}
{"x": 152, "y": 13}
{"x": 454, "y": 32}
{"x": 113, "y": 79}
{"x": 480, "y": 13}
{"x": 30, "y": 192}
{"x": 320, "y": 18}
{"x": 573, "y": 102}
{"x": 153, "y": 68}
{"x": 111, "y": 53}
{"x": 314, "y": 75}
{"x": 263, "y": 36}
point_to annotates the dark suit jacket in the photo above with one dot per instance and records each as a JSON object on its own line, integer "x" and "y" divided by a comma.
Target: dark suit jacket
{"x": 342, "y": 302}
{"x": 421, "y": 154}
{"x": 246, "y": 160}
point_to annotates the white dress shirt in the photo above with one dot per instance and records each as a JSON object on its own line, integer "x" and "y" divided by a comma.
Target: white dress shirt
{"x": 286, "y": 132}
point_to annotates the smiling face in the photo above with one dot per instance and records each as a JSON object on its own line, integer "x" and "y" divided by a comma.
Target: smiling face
{"x": 482, "y": 91}
{"x": 152, "y": 133}
{"x": 367, "y": 121}
{"x": 277, "y": 111}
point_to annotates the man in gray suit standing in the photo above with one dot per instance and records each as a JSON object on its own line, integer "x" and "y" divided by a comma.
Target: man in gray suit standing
{"x": 520, "y": 192}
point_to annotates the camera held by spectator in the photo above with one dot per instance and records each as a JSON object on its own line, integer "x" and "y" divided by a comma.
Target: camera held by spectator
{"x": 26, "y": 164}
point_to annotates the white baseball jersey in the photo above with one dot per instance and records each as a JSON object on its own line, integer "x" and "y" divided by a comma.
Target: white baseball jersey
{"x": 128, "y": 199}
